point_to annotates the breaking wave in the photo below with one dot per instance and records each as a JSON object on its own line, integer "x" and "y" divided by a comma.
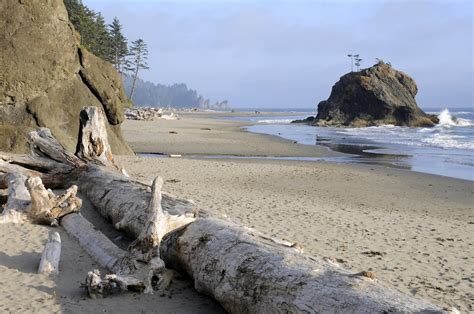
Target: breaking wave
{"x": 276, "y": 121}
{"x": 447, "y": 120}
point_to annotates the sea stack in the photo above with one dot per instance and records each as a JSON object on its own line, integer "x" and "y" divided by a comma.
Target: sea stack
{"x": 46, "y": 77}
{"x": 374, "y": 96}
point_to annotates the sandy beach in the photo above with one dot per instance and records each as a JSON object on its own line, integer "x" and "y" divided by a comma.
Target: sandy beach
{"x": 414, "y": 231}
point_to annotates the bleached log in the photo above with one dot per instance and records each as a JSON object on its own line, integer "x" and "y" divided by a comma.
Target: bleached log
{"x": 49, "y": 263}
{"x": 18, "y": 199}
{"x": 48, "y": 208}
{"x": 96, "y": 244}
{"x": 248, "y": 274}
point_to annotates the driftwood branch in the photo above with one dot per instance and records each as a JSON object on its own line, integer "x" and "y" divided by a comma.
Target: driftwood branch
{"x": 48, "y": 208}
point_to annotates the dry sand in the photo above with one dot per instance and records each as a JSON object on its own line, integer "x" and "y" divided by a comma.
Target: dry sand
{"x": 415, "y": 231}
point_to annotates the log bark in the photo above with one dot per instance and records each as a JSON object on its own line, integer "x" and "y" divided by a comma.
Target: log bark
{"x": 49, "y": 263}
{"x": 246, "y": 273}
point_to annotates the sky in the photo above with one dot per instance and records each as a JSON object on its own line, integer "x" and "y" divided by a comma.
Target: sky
{"x": 289, "y": 53}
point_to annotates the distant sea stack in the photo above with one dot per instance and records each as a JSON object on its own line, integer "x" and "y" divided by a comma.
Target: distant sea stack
{"x": 46, "y": 78}
{"x": 374, "y": 96}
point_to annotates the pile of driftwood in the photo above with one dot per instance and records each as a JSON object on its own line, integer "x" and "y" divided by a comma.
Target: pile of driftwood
{"x": 149, "y": 114}
{"x": 242, "y": 269}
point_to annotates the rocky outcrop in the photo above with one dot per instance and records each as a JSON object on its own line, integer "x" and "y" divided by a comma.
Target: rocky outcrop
{"x": 374, "y": 96}
{"x": 46, "y": 78}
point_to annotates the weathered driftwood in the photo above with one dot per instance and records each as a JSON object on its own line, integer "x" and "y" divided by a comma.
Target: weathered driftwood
{"x": 116, "y": 196}
{"x": 245, "y": 272}
{"x": 48, "y": 208}
{"x": 142, "y": 263}
{"x": 149, "y": 114}
{"x": 49, "y": 263}
{"x": 18, "y": 200}
{"x": 97, "y": 245}
{"x": 248, "y": 274}
{"x": 93, "y": 144}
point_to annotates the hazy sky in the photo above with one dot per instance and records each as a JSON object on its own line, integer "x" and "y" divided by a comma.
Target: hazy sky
{"x": 289, "y": 53}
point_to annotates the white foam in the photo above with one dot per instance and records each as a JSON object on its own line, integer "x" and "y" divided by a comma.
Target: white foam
{"x": 447, "y": 120}
{"x": 447, "y": 141}
{"x": 276, "y": 121}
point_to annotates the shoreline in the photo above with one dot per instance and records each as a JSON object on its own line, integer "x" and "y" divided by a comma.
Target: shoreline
{"x": 274, "y": 146}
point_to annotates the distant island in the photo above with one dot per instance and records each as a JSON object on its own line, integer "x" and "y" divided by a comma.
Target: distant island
{"x": 176, "y": 96}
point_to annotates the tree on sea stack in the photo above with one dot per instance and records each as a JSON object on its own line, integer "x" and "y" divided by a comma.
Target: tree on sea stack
{"x": 138, "y": 61}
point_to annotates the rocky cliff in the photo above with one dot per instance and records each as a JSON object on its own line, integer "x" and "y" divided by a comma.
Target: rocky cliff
{"x": 374, "y": 96}
{"x": 46, "y": 78}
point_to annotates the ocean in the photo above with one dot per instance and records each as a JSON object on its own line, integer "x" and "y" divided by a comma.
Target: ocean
{"x": 446, "y": 149}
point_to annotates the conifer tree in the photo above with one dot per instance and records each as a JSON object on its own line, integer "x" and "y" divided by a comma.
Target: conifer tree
{"x": 138, "y": 61}
{"x": 119, "y": 46}
{"x": 92, "y": 27}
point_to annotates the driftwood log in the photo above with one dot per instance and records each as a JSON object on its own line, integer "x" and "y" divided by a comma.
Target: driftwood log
{"x": 18, "y": 200}
{"x": 241, "y": 269}
{"x": 29, "y": 199}
{"x": 49, "y": 263}
{"x": 149, "y": 114}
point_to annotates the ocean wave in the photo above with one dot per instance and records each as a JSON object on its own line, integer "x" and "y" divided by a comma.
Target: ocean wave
{"x": 453, "y": 113}
{"x": 441, "y": 136}
{"x": 448, "y": 141}
{"x": 276, "y": 121}
{"x": 447, "y": 120}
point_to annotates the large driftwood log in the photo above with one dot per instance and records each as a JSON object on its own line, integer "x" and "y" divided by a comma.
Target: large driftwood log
{"x": 49, "y": 263}
{"x": 248, "y": 274}
{"x": 245, "y": 272}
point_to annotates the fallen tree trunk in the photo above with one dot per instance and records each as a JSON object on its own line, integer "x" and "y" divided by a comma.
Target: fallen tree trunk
{"x": 244, "y": 271}
{"x": 248, "y": 274}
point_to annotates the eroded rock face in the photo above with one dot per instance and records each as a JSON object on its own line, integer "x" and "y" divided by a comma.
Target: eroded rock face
{"x": 45, "y": 79}
{"x": 374, "y": 96}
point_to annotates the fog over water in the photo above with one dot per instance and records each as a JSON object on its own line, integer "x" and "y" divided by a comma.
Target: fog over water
{"x": 289, "y": 53}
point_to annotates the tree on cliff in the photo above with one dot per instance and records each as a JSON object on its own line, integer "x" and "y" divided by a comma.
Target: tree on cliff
{"x": 119, "y": 46}
{"x": 102, "y": 41}
{"x": 138, "y": 61}
{"x": 92, "y": 27}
